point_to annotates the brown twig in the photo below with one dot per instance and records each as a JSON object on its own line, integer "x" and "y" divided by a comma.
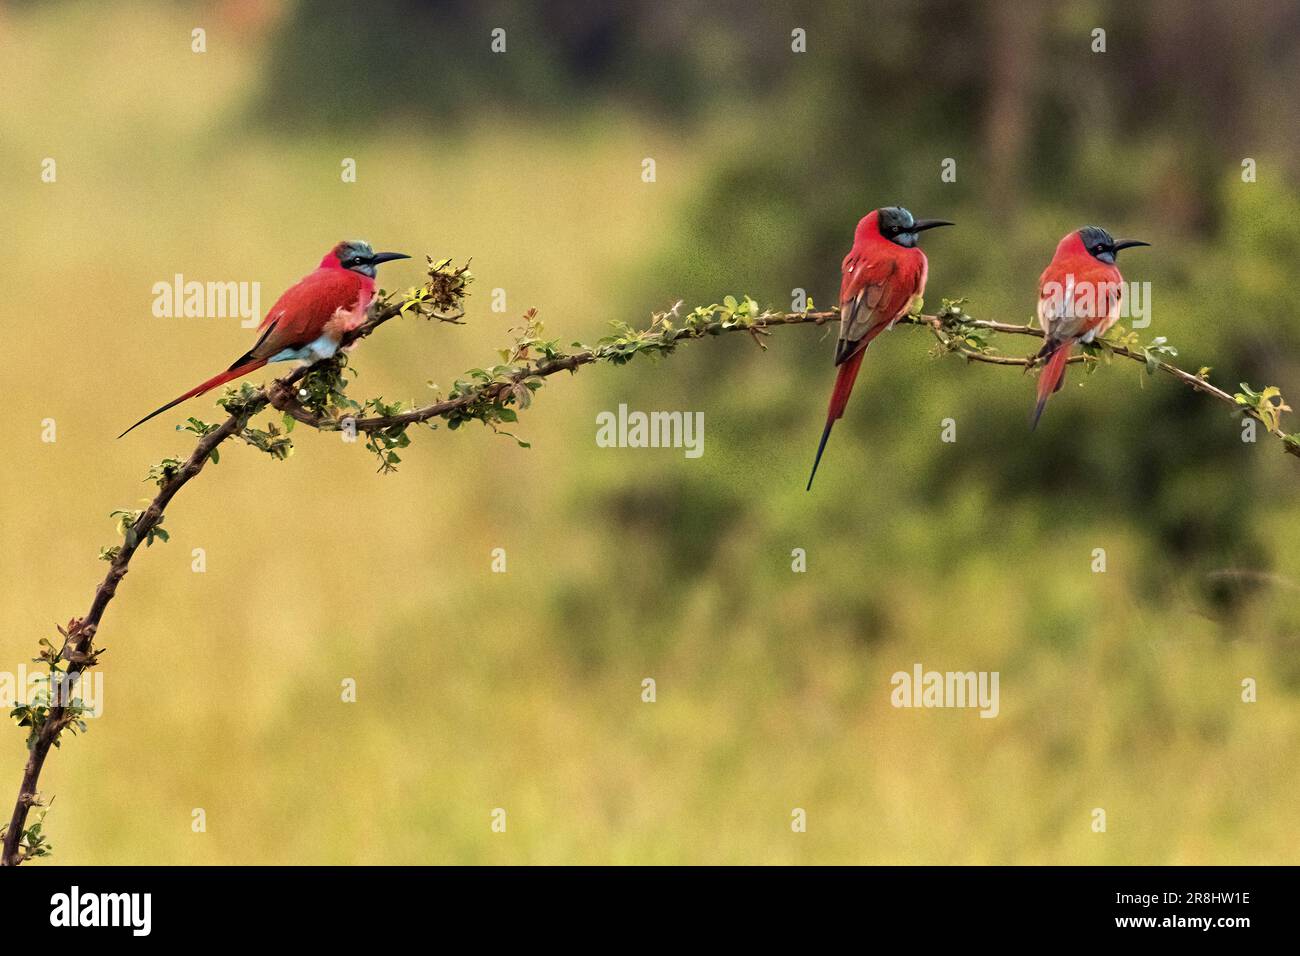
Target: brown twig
{"x": 286, "y": 401}
{"x": 78, "y": 648}
{"x": 1187, "y": 378}
{"x": 78, "y": 643}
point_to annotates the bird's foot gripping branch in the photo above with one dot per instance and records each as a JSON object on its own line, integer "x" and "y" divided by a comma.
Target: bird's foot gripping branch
{"x": 317, "y": 396}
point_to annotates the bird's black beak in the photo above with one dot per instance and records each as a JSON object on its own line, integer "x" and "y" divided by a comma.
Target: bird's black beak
{"x": 923, "y": 224}
{"x": 1126, "y": 243}
{"x": 387, "y": 257}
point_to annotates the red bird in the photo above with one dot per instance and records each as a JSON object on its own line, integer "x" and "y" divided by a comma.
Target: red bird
{"x": 884, "y": 273}
{"x": 1079, "y": 296}
{"x": 309, "y": 321}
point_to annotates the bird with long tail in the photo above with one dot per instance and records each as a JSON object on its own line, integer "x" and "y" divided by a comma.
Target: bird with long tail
{"x": 1079, "y": 296}
{"x": 883, "y": 275}
{"x": 308, "y": 322}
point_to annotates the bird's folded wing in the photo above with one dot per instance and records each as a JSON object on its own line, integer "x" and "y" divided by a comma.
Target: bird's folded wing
{"x": 866, "y": 297}
{"x": 299, "y": 316}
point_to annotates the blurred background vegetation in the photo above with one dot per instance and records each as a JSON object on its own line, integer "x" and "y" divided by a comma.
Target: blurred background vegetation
{"x": 522, "y": 690}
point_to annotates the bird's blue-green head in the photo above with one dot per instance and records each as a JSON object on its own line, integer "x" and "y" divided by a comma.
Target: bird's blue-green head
{"x": 1102, "y": 246}
{"x": 902, "y": 228}
{"x": 357, "y": 256}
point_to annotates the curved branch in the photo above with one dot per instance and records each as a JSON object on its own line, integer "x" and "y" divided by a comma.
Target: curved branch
{"x": 79, "y": 636}
{"x": 78, "y": 644}
{"x": 440, "y": 298}
{"x": 944, "y": 326}
{"x": 286, "y": 400}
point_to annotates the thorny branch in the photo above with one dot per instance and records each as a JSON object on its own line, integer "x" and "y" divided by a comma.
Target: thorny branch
{"x": 954, "y": 331}
{"x": 316, "y": 396}
{"x": 440, "y": 298}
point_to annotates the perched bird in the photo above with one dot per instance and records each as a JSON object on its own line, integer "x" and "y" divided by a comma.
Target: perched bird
{"x": 309, "y": 321}
{"x": 883, "y": 274}
{"x": 1079, "y": 297}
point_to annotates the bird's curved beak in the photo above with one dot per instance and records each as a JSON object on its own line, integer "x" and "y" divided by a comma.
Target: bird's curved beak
{"x": 923, "y": 224}
{"x": 1126, "y": 243}
{"x": 388, "y": 257}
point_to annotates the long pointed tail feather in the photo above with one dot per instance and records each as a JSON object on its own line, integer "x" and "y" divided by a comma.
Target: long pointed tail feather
{"x": 821, "y": 447}
{"x": 1052, "y": 377}
{"x": 844, "y": 379}
{"x": 235, "y": 371}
